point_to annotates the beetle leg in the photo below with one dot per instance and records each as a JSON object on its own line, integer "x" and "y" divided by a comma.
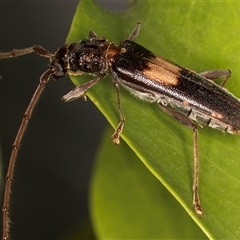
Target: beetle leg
{"x": 80, "y": 90}
{"x": 215, "y": 74}
{"x": 183, "y": 119}
{"x": 118, "y": 130}
{"x": 135, "y": 32}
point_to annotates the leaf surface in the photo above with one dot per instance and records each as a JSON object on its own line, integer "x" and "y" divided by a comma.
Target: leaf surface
{"x": 197, "y": 35}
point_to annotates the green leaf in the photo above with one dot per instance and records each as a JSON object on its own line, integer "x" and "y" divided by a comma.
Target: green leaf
{"x": 128, "y": 202}
{"x": 200, "y": 36}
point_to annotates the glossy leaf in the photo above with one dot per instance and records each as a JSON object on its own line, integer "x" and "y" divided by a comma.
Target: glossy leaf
{"x": 199, "y": 36}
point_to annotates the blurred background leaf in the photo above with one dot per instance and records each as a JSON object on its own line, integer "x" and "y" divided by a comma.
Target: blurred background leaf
{"x": 128, "y": 202}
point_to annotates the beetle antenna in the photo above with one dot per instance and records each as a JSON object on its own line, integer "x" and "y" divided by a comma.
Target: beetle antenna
{"x": 16, "y": 145}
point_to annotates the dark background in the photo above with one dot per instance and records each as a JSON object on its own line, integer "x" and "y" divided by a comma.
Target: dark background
{"x": 50, "y": 193}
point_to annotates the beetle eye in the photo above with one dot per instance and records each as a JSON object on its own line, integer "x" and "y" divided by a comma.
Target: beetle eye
{"x": 58, "y": 70}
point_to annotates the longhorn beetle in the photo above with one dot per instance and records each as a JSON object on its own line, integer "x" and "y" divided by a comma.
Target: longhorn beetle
{"x": 192, "y": 99}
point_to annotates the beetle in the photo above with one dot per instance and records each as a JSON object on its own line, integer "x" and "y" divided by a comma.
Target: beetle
{"x": 192, "y": 99}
